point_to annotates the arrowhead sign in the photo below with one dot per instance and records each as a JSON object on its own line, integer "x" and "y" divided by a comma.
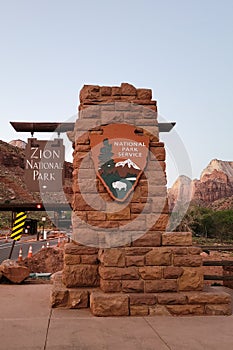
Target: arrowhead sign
{"x": 120, "y": 156}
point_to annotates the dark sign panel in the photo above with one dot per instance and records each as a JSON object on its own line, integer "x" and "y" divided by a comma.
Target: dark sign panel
{"x": 44, "y": 164}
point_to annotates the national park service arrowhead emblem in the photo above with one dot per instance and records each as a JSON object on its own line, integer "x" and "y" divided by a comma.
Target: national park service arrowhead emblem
{"x": 120, "y": 157}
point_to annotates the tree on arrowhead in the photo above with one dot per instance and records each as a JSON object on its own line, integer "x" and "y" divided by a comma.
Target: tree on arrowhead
{"x": 105, "y": 157}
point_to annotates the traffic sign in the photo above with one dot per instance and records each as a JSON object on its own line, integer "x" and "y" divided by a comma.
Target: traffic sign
{"x": 18, "y": 225}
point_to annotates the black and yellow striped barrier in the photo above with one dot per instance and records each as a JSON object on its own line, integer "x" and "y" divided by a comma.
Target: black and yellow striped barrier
{"x": 18, "y": 225}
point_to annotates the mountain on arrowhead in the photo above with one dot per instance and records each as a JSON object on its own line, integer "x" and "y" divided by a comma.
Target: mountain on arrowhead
{"x": 127, "y": 162}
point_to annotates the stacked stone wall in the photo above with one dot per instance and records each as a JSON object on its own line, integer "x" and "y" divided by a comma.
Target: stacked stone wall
{"x": 122, "y": 261}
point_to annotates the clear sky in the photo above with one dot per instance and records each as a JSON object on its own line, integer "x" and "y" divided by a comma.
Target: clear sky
{"x": 182, "y": 50}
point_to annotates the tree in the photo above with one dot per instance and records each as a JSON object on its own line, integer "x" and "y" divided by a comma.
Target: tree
{"x": 208, "y": 223}
{"x": 223, "y": 222}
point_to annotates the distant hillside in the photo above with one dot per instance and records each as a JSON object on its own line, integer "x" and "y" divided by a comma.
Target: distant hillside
{"x": 214, "y": 189}
{"x": 12, "y": 186}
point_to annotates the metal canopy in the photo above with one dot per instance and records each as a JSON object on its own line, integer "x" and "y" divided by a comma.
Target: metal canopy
{"x": 166, "y": 127}
{"x": 15, "y": 207}
{"x": 42, "y": 127}
{"x": 64, "y": 127}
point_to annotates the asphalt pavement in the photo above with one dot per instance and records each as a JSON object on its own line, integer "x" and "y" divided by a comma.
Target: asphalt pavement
{"x": 28, "y": 322}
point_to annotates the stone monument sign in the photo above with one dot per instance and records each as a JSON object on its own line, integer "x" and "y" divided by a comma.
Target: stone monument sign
{"x": 122, "y": 261}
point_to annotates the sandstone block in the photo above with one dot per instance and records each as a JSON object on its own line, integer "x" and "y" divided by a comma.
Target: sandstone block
{"x": 103, "y": 304}
{"x": 56, "y": 278}
{"x": 139, "y": 310}
{"x": 75, "y": 249}
{"x": 123, "y": 105}
{"x": 118, "y": 273}
{"x": 80, "y": 276}
{"x": 157, "y": 286}
{"x": 150, "y": 272}
{"x": 96, "y": 215}
{"x": 106, "y": 90}
{"x": 137, "y": 208}
{"x": 179, "y": 310}
{"x": 108, "y": 117}
{"x": 120, "y": 215}
{"x": 137, "y": 260}
{"x": 216, "y": 309}
{"x": 194, "y": 250}
{"x": 177, "y": 238}
{"x": 142, "y": 299}
{"x": 80, "y": 204}
{"x": 158, "y": 224}
{"x": 78, "y": 216}
{"x": 116, "y": 91}
{"x": 112, "y": 257}
{"x": 158, "y": 191}
{"x": 128, "y": 89}
{"x": 172, "y": 272}
{"x": 59, "y": 297}
{"x": 179, "y": 250}
{"x": 151, "y": 111}
{"x": 149, "y": 239}
{"x": 137, "y": 250}
{"x": 187, "y": 260}
{"x": 158, "y": 178}
{"x": 153, "y": 133}
{"x": 78, "y": 299}
{"x": 89, "y": 92}
{"x": 131, "y": 116}
{"x": 158, "y": 152}
{"x": 132, "y": 286}
{"x": 149, "y": 121}
{"x": 135, "y": 225}
{"x": 82, "y": 148}
{"x": 191, "y": 279}
{"x": 71, "y": 259}
{"x": 83, "y": 139}
{"x": 89, "y": 259}
{"x": 86, "y": 236}
{"x": 208, "y": 298}
{"x": 157, "y": 144}
{"x": 81, "y": 161}
{"x": 159, "y": 256}
{"x": 144, "y": 94}
{"x": 159, "y": 310}
{"x": 171, "y": 298}
{"x": 104, "y": 224}
{"x": 160, "y": 205}
{"x": 110, "y": 286}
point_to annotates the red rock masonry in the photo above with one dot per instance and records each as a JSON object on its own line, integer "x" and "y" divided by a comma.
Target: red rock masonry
{"x": 157, "y": 272}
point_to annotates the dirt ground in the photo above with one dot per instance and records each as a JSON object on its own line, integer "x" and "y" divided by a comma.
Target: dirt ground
{"x": 46, "y": 260}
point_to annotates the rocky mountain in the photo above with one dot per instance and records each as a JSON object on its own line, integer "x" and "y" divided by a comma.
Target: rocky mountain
{"x": 213, "y": 189}
{"x": 13, "y": 188}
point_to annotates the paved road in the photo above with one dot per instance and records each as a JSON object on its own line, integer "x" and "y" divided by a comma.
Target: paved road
{"x": 36, "y": 246}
